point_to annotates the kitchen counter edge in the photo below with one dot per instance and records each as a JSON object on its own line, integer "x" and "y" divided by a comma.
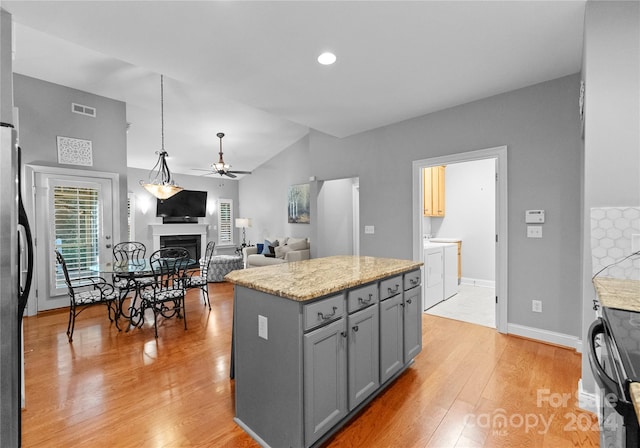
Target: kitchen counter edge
{"x": 310, "y": 279}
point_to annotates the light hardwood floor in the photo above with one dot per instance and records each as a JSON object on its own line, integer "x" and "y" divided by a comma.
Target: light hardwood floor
{"x": 470, "y": 387}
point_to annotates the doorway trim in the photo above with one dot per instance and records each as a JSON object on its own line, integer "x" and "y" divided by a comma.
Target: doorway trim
{"x": 29, "y": 196}
{"x": 498, "y": 153}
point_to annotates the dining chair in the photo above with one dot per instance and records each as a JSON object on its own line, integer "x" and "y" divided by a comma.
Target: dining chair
{"x": 128, "y": 252}
{"x": 165, "y": 295}
{"x": 86, "y": 291}
{"x": 200, "y": 281}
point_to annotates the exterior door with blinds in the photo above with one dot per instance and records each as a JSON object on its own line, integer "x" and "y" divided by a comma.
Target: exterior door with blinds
{"x": 74, "y": 217}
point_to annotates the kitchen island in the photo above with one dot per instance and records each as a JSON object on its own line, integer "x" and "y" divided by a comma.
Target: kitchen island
{"x": 316, "y": 340}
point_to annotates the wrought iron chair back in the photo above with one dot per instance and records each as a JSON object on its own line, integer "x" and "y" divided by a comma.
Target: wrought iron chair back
{"x": 129, "y": 251}
{"x": 86, "y": 291}
{"x": 165, "y": 296}
{"x": 126, "y": 252}
{"x": 201, "y": 281}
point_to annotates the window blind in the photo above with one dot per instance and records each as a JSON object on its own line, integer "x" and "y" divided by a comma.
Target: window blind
{"x": 76, "y": 229}
{"x": 225, "y": 218}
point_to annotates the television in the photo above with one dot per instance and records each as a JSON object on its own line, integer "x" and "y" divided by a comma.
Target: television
{"x": 183, "y": 207}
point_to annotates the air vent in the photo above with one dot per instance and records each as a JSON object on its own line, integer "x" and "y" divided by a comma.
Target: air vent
{"x": 83, "y": 110}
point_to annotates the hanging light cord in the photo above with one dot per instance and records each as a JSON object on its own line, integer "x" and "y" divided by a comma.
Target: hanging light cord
{"x": 162, "y": 111}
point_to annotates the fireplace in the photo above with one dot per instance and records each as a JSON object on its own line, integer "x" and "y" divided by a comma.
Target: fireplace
{"x": 189, "y": 242}
{"x": 172, "y": 231}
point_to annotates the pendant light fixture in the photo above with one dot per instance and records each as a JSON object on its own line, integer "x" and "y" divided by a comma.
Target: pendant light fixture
{"x": 160, "y": 183}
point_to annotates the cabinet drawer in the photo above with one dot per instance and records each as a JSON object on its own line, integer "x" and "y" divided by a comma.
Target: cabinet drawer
{"x": 390, "y": 287}
{"x": 362, "y": 297}
{"x": 323, "y": 311}
{"x": 412, "y": 279}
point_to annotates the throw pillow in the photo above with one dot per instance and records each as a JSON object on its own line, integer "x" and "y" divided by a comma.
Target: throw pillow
{"x": 265, "y": 249}
{"x": 298, "y": 245}
{"x": 281, "y": 251}
{"x": 259, "y": 246}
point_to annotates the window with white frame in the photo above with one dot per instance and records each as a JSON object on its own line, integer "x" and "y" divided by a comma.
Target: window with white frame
{"x": 225, "y": 222}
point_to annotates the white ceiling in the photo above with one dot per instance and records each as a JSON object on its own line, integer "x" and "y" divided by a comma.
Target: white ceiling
{"x": 249, "y": 69}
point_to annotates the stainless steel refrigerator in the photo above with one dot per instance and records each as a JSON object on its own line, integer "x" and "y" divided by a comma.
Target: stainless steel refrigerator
{"x": 15, "y": 239}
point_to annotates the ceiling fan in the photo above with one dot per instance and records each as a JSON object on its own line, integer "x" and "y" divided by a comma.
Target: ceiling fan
{"x": 222, "y": 168}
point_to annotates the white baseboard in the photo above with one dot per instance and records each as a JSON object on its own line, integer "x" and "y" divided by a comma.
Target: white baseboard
{"x": 477, "y": 282}
{"x": 551, "y": 337}
{"x": 587, "y": 400}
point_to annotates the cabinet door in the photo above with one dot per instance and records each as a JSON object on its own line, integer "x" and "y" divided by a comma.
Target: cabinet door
{"x": 391, "y": 337}
{"x": 325, "y": 379}
{"x": 412, "y": 324}
{"x": 427, "y": 182}
{"x": 364, "y": 367}
{"x": 438, "y": 190}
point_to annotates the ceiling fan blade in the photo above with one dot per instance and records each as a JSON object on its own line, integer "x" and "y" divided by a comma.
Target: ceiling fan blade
{"x": 229, "y": 174}
{"x": 239, "y": 172}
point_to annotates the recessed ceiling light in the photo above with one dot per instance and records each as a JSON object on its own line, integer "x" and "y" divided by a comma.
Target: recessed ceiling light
{"x": 327, "y": 58}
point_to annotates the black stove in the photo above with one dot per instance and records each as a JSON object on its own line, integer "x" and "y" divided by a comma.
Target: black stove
{"x": 624, "y": 329}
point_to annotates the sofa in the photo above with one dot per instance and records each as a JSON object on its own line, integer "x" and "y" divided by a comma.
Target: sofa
{"x": 276, "y": 250}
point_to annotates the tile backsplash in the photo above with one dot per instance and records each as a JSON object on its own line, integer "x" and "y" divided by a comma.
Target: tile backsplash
{"x": 611, "y": 233}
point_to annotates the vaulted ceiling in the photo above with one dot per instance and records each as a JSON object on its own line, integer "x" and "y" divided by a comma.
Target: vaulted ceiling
{"x": 249, "y": 69}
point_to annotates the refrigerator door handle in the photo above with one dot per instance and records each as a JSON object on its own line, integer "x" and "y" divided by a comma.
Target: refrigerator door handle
{"x": 24, "y": 222}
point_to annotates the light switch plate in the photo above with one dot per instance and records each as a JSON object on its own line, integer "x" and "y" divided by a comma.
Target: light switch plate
{"x": 534, "y": 231}
{"x": 263, "y": 327}
{"x": 370, "y": 230}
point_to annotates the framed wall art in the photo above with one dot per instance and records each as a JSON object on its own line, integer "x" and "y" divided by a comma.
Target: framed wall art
{"x": 75, "y": 151}
{"x": 298, "y": 204}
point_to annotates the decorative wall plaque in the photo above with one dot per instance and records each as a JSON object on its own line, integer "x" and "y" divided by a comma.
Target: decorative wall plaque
{"x": 75, "y": 151}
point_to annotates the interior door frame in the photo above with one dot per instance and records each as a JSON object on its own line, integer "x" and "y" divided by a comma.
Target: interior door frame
{"x": 498, "y": 153}
{"x": 29, "y": 197}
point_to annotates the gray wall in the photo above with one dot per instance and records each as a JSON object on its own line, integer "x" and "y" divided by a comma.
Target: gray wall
{"x": 216, "y": 188}
{"x": 45, "y": 113}
{"x": 335, "y": 218}
{"x": 263, "y": 195}
{"x": 611, "y": 70}
{"x": 540, "y": 126}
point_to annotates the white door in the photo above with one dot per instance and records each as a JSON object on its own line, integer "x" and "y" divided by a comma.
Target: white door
{"x": 73, "y": 215}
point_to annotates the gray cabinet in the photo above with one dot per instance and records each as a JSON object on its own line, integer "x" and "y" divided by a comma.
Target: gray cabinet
{"x": 391, "y": 337}
{"x": 304, "y": 368}
{"x": 364, "y": 374}
{"x": 325, "y": 379}
{"x": 400, "y": 323}
{"x": 412, "y": 324}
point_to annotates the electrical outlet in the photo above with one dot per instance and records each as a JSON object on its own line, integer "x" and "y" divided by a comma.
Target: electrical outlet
{"x": 369, "y": 230}
{"x": 536, "y": 306}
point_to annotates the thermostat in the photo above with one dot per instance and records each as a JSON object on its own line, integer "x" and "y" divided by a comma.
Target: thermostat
{"x": 534, "y": 216}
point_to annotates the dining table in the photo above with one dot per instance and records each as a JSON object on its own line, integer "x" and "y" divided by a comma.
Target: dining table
{"x": 133, "y": 275}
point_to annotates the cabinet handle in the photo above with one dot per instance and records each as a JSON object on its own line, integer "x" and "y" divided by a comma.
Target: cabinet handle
{"x": 355, "y": 328}
{"x": 328, "y": 316}
{"x": 363, "y": 301}
{"x": 344, "y": 334}
{"x": 408, "y": 300}
{"x": 393, "y": 291}
{"x": 414, "y": 281}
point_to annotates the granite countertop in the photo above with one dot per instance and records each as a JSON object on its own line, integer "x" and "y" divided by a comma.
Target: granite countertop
{"x": 309, "y": 279}
{"x": 618, "y": 293}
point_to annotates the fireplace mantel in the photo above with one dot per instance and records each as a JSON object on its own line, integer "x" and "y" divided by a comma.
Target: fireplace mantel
{"x": 159, "y": 230}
